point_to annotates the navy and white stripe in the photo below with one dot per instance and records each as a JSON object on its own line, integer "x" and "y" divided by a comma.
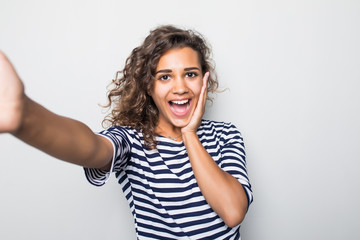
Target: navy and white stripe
{"x": 160, "y": 185}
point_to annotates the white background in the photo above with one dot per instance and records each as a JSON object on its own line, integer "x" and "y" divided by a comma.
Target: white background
{"x": 293, "y": 73}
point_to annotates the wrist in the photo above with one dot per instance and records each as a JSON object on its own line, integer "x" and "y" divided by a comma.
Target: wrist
{"x": 24, "y": 112}
{"x": 11, "y": 121}
{"x": 189, "y": 136}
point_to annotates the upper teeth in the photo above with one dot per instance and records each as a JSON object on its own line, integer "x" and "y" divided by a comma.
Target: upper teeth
{"x": 180, "y": 101}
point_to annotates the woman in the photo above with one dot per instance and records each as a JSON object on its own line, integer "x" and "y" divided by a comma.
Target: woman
{"x": 183, "y": 177}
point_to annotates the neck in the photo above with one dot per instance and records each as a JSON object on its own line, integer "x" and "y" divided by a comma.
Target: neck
{"x": 172, "y": 133}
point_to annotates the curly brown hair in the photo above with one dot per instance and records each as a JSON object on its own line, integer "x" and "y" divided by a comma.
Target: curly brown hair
{"x": 129, "y": 100}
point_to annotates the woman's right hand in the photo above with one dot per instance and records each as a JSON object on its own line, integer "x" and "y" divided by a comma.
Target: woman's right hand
{"x": 12, "y": 97}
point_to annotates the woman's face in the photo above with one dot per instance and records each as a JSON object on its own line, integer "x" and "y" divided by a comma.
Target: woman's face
{"x": 177, "y": 86}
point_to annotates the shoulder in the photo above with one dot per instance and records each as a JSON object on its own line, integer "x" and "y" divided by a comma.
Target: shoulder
{"x": 224, "y": 132}
{"x": 122, "y": 133}
{"x": 118, "y": 128}
{"x": 218, "y": 126}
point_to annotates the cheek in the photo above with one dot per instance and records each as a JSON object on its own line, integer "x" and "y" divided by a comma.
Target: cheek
{"x": 158, "y": 94}
{"x": 197, "y": 87}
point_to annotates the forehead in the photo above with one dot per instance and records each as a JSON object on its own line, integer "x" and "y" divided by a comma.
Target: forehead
{"x": 179, "y": 58}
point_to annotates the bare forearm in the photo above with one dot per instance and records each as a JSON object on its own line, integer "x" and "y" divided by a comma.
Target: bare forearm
{"x": 61, "y": 137}
{"x": 222, "y": 191}
{"x": 58, "y": 136}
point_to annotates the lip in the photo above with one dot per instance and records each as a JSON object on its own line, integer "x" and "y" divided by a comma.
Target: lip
{"x": 182, "y": 113}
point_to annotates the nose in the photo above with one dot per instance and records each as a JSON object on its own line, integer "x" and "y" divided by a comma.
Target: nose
{"x": 179, "y": 86}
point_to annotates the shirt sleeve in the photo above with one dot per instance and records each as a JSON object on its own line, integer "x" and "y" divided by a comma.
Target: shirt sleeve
{"x": 234, "y": 158}
{"x": 121, "y": 141}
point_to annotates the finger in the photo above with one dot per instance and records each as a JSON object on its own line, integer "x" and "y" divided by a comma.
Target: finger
{"x": 205, "y": 79}
{"x": 204, "y": 88}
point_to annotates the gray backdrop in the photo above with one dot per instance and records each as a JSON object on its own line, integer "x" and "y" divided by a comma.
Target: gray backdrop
{"x": 292, "y": 73}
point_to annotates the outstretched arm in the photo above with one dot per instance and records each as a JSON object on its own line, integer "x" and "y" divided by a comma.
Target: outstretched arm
{"x": 61, "y": 137}
{"x": 223, "y": 192}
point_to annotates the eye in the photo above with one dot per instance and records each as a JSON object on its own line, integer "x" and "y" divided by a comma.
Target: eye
{"x": 164, "y": 77}
{"x": 191, "y": 74}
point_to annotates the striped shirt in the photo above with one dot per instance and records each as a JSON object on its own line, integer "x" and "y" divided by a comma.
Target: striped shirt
{"x": 160, "y": 185}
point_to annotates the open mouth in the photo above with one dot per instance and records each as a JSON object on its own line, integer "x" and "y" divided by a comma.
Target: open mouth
{"x": 180, "y": 107}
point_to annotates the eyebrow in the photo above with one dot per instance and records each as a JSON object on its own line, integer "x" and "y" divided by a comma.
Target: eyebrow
{"x": 169, "y": 70}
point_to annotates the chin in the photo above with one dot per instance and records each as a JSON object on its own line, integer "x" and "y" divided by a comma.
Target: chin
{"x": 180, "y": 123}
